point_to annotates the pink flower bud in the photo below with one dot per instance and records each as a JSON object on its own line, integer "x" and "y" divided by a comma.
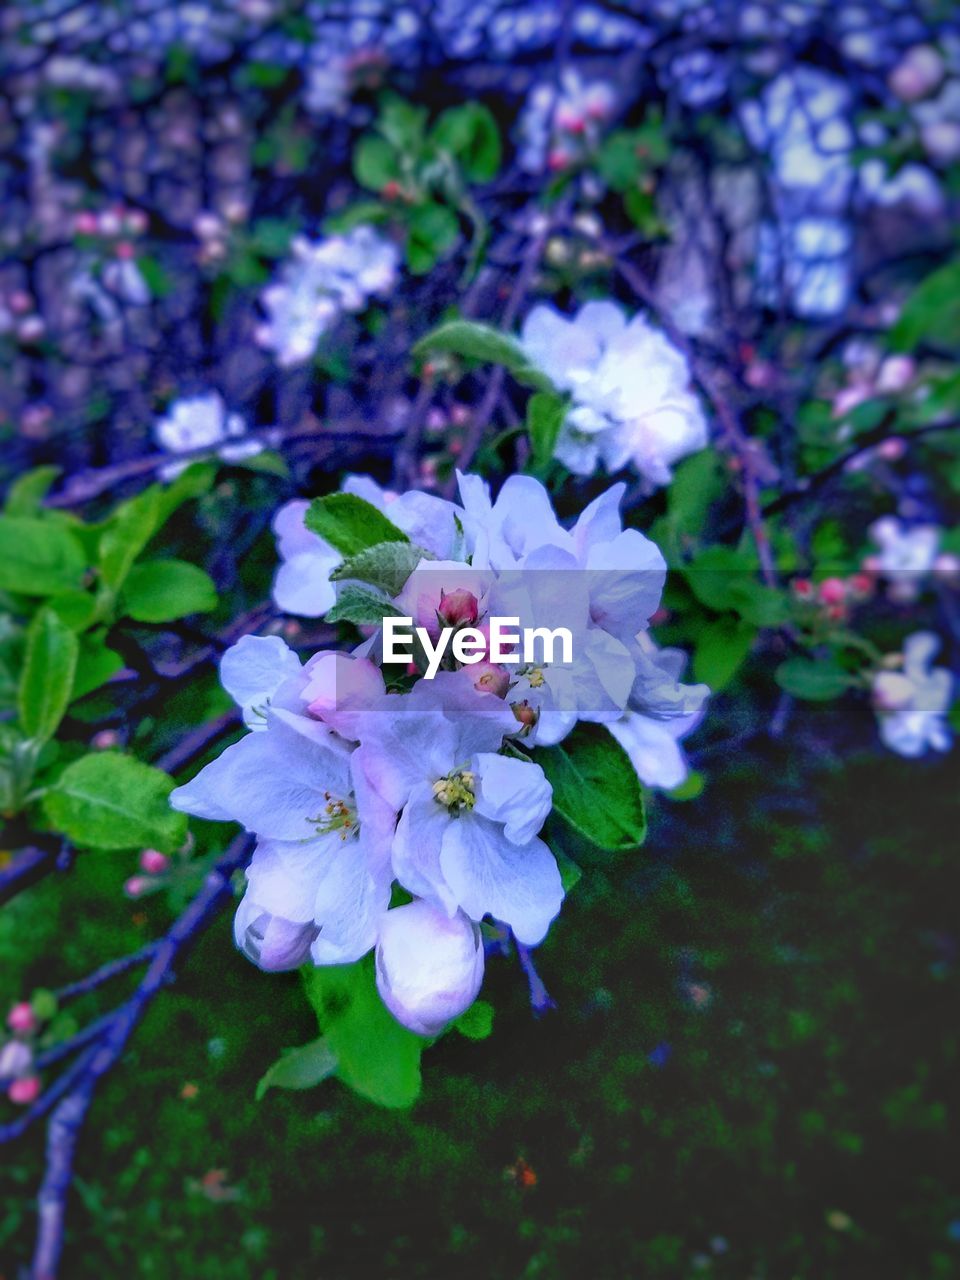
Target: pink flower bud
{"x": 802, "y": 588}
{"x": 105, "y": 740}
{"x": 861, "y": 586}
{"x": 22, "y": 1018}
{"x": 136, "y": 886}
{"x": 429, "y": 966}
{"x": 458, "y": 608}
{"x": 125, "y": 251}
{"x": 154, "y": 862}
{"x": 20, "y": 302}
{"x": 108, "y": 223}
{"x": 31, "y": 329}
{"x": 896, "y": 373}
{"x": 24, "y": 1091}
{"x": 135, "y": 222}
{"x": 558, "y": 159}
{"x": 85, "y": 223}
{"x": 489, "y": 677}
{"x": 892, "y": 450}
{"x": 947, "y": 564}
{"x": 832, "y": 591}
{"x": 271, "y": 942}
{"x": 917, "y": 73}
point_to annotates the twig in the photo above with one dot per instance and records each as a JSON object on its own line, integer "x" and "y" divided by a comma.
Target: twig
{"x": 26, "y": 868}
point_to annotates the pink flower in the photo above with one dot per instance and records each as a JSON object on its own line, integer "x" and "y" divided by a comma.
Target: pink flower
{"x": 136, "y": 886}
{"x": 21, "y": 1018}
{"x": 154, "y": 862}
{"x": 833, "y": 591}
{"x": 24, "y": 1091}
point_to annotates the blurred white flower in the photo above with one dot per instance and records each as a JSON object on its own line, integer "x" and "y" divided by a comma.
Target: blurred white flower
{"x": 633, "y": 404}
{"x": 911, "y": 704}
{"x": 317, "y": 283}
{"x": 199, "y": 422}
{"x": 907, "y": 555}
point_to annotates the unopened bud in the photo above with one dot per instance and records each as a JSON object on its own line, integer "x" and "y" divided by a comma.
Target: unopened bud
{"x": 154, "y": 862}
{"x": 22, "y": 1018}
{"x": 832, "y": 591}
{"x": 458, "y": 608}
{"x": 271, "y": 942}
{"x": 490, "y": 677}
{"x": 137, "y": 886}
{"x": 429, "y": 966}
{"x": 917, "y": 74}
{"x": 24, "y": 1091}
{"x": 526, "y": 714}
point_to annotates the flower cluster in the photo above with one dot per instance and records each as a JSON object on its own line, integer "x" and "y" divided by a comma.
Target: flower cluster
{"x": 632, "y": 400}
{"x": 319, "y": 282}
{"x": 559, "y": 124}
{"x": 396, "y": 812}
{"x": 201, "y": 422}
{"x": 908, "y": 554}
{"x": 912, "y": 698}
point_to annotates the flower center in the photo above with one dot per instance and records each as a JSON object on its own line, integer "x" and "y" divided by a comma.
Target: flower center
{"x": 535, "y": 676}
{"x": 337, "y": 816}
{"x": 456, "y": 791}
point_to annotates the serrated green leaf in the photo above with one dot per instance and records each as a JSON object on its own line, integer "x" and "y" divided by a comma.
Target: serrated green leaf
{"x": 375, "y": 1055}
{"x": 162, "y": 590}
{"x": 596, "y": 788}
{"x": 109, "y": 801}
{"x": 350, "y": 524}
{"x": 387, "y": 565}
{"x": 300, "y": 1068}
{"x": 362, "y": 608}
{"x": 46, "y": 682}
{"x": 38, "y": 557}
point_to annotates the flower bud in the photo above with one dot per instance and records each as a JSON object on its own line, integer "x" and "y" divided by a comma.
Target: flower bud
{"x": 896, "y": 373}
{"x": 22, "y": 1018}
{"x": 458, "y": 608}
{"x": 136, "y": 886}
{"x": 917, "y": 73}
{"x": 833, "y": 591}
{"x": 941, "y": 141}
{"x": 802, "y": 588}
{"x": 16, "y": 1059}
{"x": 25, "y": 1090}
{"x": 85, "y": 223}
{"x": 154, "y": 862}
{"x": 271, "y": 942}
{"x": 429, "y": 966}
{"x": 490, "y": 677}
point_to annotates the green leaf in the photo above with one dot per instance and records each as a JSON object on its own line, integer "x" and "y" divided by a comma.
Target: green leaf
{"x": 96, "y": 664}
{"x": 78, "y": 609}
{"x": 375, "y": 1055}
{"x": 156, "y": 277}
{"x": 300, "y": 1068}
{"x": 475, "y": 341}
{"x": 697, "y": 483}
{"x": 469, "y": 132}
{"x": 44, "y": 1004}
{"x": 28, "y": 491}
{"x": 387, "y": 565}
{"x": 350, "y": 524}
{"x": 932, "y": 312}
{"x": 432, "y": 228}
{"x": 161, "y": 590}
{"x": 690, "y": 788}
{"x": 126, "y": 534}
{"x": 109, "y": 801}
{"x": 477, "y": 1022}
{"x": 596, "y": 788}
{"x": 814, "y": 681}
{"x": 545, "y": 414}
{"x": 46, "y": 682}
{"x": 362, "y": 608}
{"x": 375, "y": 163}
{"x": 721, "y": 648}
{"x": 38, "y": 557}
{"x": 719, "y": 576}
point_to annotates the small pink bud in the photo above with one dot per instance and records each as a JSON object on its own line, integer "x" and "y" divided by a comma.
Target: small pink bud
{"x": 20, "y": 302}
{"x": 833, "y": 591}
{"x": 558, "y": 160}
{"x": 896, "y": 373}
{"x": 154, "y": 862}
{"x": 105, "y": 740}
{"x": 861, "y": 586}
{"x": 21, "y": 1018}
{"x": 24, "y": 1091}
{"x": 136, "y": 886}
{"x": 871, "y": 564}
{"x": 836, "y": 612}
{"x": 136, "y": 222}
{"x": 85, "y": 223}
{"x": 125, "y": 251}
{"x": 947, "y": 564}
{"x": 802, "y": 588}
{"x": 31, "y": 329}
{"x": 892, "y": 450}
{"x": 489, "y": 677}
{"x": 458, "y": 608}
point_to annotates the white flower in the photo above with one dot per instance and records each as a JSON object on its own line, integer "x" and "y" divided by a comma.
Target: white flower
{"x": 906, "y": 555}
{"x": 632, "y": 403}
{"x": 199, "y": 422}
{"x": 555, "y": 126}
{"x": 467, "y": 833}
{"x": 321, "y": 280}
{"x": 911, "y": 705}
{"x": 252, "y": 670}
{"x": 429, "y": 965}
{"x": 16, "y": 1059}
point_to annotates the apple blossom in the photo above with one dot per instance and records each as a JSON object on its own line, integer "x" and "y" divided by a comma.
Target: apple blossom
{"x": 907, "y": 555}
{"x": 429, "y": 965}
{"x": 199, "y": 422}
{"x": 911, "y": 704}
